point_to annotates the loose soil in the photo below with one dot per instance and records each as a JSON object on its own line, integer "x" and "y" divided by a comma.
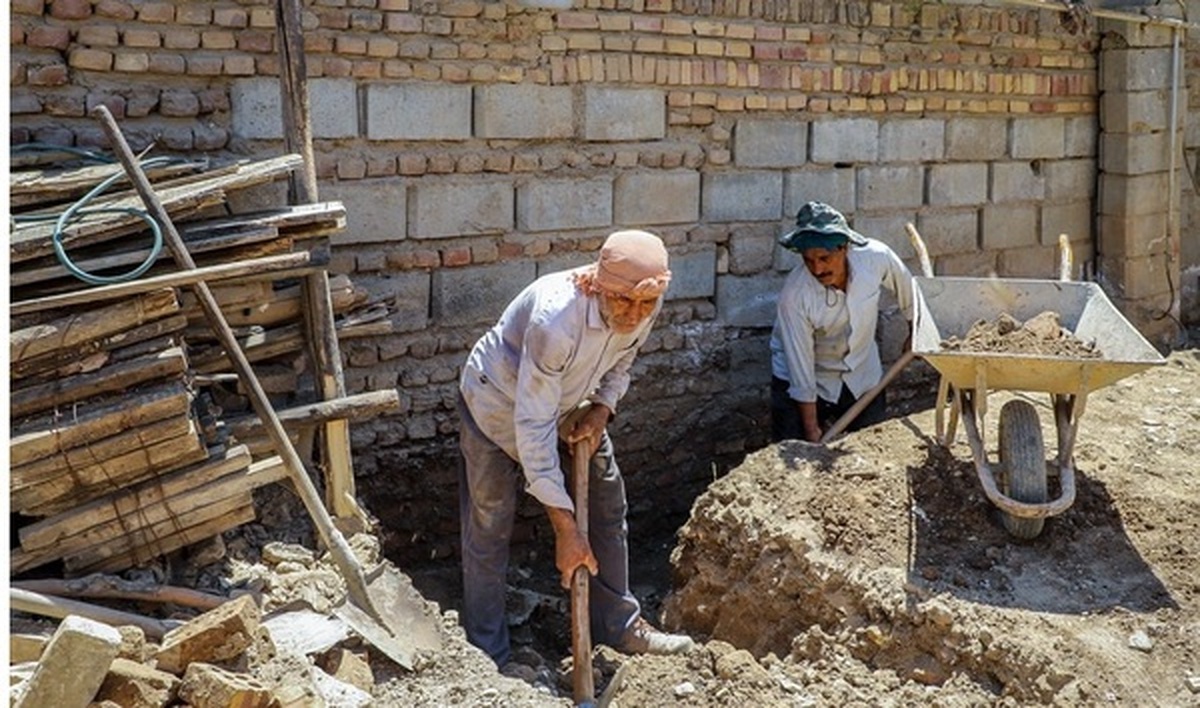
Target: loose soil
{"x": 1042, "y": 335}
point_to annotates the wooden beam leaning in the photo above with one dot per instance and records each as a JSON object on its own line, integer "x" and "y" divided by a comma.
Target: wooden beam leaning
{"x": 358, "y": 407}
{"x": 39, "y": 604}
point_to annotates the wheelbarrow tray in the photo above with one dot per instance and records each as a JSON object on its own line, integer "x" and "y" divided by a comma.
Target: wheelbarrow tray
{"x": 948, "y": 307}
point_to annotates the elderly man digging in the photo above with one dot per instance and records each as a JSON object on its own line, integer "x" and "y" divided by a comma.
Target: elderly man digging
{"x": 568, "y": 338}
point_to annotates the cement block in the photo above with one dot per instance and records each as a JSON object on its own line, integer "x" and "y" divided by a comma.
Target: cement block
{"x": 524, "y": 111}
{"x": 478, "y": 294}
{"x": 891, "y": 187}
{"x": 748, "y": 301}
{"x": 845, "y": 140}
{"x": 1029, "y": 262}
{"x": 1073, "y": 219}
{"x": 888, "y": 228}
{"x": 1135, "y": 111}
{"x": 1069, "y": 180}
{"x": 564, "y": 260}
{"x": 418, "y": 112}
{"x": 1081, "y": 136}
{"x": 407, "y": 294}
{"x": 976, "y": 138}
{"x": 1119, "y": 237}
{"x": 958, "y": 184}
{"x": 980, "y": 264}
{"x": 1135, "y": 69}
{"x": 693, "y": 274}
{"x": 446, "y": 209}
{"x": 376, "y": 209}
{"x": 1139, "y": 195}
{"x": 73, "y": 665}
{"x": 751, "y": 250}
{"x": 912, "y": 140}
{"x": 334, "y": 106}
{"x": 947, "y": 232}
{"x": 770, "y": 143}
{"x": 255, "y": 109}
{"x": 834, "y": 186}
{"x": 644, "y": 198}
{"x": 1135, "y": 154}
{"x": 617, "y": 114}
{"x": 1009, "y": 226}
{"x": 1034, "y": 138}
{"x": 554, "y": 204}
{"x": 1016, "y": 182}
{"x": 742, "y": 196}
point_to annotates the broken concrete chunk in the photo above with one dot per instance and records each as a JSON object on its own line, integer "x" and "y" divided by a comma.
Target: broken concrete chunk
{"x": 221, "y": 634}
{"x": 208, "y": 686}
{"x": 338, "y": 693}
{"x": 25, "y": 647}
{"x": 134, "y": 685}
{"x": 298, "y": 695}
{"x": 133, "y": 643}
{"x": 73, "y": 665}
{"x": 1141, "y": 641}
{"x": 349, "y": 667}
{"x": 278, "y": 552}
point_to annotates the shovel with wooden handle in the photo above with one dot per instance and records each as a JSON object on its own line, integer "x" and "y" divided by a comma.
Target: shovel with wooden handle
{"x": 396, "y": 636}
{"x": 582, "y": 681}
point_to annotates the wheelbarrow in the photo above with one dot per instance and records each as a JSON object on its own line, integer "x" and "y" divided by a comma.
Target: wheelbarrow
{"x": 948, "y": 307}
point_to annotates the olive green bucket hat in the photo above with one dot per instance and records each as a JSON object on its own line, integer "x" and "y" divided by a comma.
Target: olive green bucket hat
{"x": 819, "y": 225}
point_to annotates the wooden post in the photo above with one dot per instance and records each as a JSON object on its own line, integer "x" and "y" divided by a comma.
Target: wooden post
{"x": 324, "y": 352}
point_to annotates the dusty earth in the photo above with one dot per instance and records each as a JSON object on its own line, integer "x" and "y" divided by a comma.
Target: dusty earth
{"x": 872, "y": 571}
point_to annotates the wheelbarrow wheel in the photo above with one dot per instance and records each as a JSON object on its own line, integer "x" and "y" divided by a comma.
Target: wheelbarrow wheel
{"x": 1022, "y": 457}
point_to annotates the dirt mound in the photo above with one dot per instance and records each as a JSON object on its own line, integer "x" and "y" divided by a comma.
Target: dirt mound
{"x": 1042, "y": 335}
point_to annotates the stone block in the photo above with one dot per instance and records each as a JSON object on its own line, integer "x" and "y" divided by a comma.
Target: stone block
{"x": 376, "y": 209}
{"x": 948, "y": 232}
{"x": 524, "y": 111}
{"x": 1139, "y": 195}
{"x": 976, "y": 138}
{"x": 752, "y": 250}
{"x": 1029, "y": 262}
{"x": 1009, "y": 226}
{"x": 1120, "y": 237}
{"x": 770, "y": 143}
{"x": 958, "y": 184}
{"x": 73, "y": 665}
{"x": 748, "y": 301}
{"x": 554, "y": 204}
{"x": 645, "y": 198}
{"x": 1038, "y": 138}
{"x": 26, "y": 647}
{"x": 980, "y": 264}
{"x": 334, "y": 108}
{"x": 1072, "y": 218}
{"x": 618, "y": 114}
{"x": 1016, "y": 182}
{"x": 891, "y": 187}
{"x": 845, "y": 140}
{"x": 1069, "y": 180}
{"x": 742, "y": 196}
{"x": 255, "y": 109}
{"x": 1135, "y": 154}
{"x": 132, "y": 684}
{"x": 564, "y": 260}
{"x": 446, "y": 209}
{"x": 1135, "y": 69}
{"x": 478, "y": 294}
{"x": 218, "y": 635}
{"x": 912, "y": 140}
{"x": 835, "y": 186}
{"x": 889, "y": 228}
{"x": 1081, "y": 136}
{"x": 1135, "y": 111}
{"x": 407, "y": 294}
{"x": 418, "y": 112}
{"x": 208, "y": 686}
{"x": 693, "y": 274}
{"x": 350, "y": 667}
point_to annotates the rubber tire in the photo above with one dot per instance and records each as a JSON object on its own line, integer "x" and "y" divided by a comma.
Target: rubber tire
{"x": 1022, "y": 457}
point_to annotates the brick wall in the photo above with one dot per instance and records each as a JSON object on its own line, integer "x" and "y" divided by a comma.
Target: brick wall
{"x": 478, "y": 145}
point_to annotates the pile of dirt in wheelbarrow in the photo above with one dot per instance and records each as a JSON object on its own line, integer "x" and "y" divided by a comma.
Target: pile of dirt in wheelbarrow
{"x": 1041, "y": 335}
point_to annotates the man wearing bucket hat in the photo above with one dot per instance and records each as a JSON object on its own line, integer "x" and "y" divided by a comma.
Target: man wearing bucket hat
{"x": 823, "y": 351}
{"x": 568, "y": 338}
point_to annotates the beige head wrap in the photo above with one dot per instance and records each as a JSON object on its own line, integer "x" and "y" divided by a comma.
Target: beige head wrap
{"x": 634, "y": 264}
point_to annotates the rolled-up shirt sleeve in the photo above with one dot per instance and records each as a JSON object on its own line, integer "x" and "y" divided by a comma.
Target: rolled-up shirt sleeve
{"x": 797, "y": 338}
{"x": 535, "y": 416}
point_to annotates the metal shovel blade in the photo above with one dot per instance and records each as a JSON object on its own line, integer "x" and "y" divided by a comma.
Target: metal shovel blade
{"x": 405, "y": 626}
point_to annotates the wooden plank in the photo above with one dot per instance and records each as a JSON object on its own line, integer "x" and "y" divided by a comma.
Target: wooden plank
{"x": 53, "y": 434}
{"x": 77, "y": 486}
{"x": 289, "y": 219}
{"x": 108, "y": 586}
{"x": 78, "y": 328}
{"x": 362, "y": 406}
{"x": 30, "y": 187}
{"x": 91, "y": 356}
{"x": 96, "y": 452}
{"x": 39, "y": 604}
{"x": 35, "y": 240}
{"x": 286, "y": 305}
{"x": 79, "y": 527}
{"x": 111, "y": 379}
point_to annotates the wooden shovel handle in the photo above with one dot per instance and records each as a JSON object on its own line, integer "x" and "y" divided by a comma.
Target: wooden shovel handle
{"x": 581, "y": 633}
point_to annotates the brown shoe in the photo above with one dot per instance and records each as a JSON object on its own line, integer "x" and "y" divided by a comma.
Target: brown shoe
{"x": 643, "y": 638}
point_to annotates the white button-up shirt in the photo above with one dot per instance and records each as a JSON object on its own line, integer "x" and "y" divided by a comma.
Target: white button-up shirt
{"x": 824, "y": 336}
{"x": 550, "y": 351}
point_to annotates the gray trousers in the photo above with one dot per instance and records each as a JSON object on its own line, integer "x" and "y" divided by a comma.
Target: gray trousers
{"x": 489, "y": 484}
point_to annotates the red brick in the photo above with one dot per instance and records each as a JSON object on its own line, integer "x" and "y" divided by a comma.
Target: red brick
{"x": 256, "y": 42}
{"x": 176, "y": 137}
{"x": 54, "y": 135}
{"x": 16, "y": 73}
{"x": 337, "y": 66}
{"x": 48, "y": 37}
{"x": 71, "y": 9}
{"x": 235, "y": 17}
{"x": 60, "y": 104}
{"x": 49, "y": 75}
{"x": 452, "y": 257}
{"x": 16, "y": 35}
{"x": 141, "y": 102}
{"x": 268, "y": 65}
{"x": 218, "y": 39}
{"x": 509, "y": 251}
{"x": 367, "y": 70}
{"x": 27, "y": 7}
{"x": 181, "y": 39}
{"x": 381, "y": 166}
{"x": 131, "y": 62}
{"x": 212, "y": 100}
{"x": 157, "y": 12}
{"x": 98, "y": 36}
{"x": 397, "y": 22}
{"x": 411, "y": 164}
{"x": 192, "y": 13}
{"x": 115, "y": 9}
{"x": 180, "y": 103}
{"x": 207, "y": 136}
{"x": 91, "y": 59}
{"x": 204, "y": 65}
{"x": 239, "y": 66}
{"x": 426, "y": 259}
{"x": 352, "y": 168}
{"x": 333, "y": 18}
{"x": 115, "y": 104}
{"x": 167, "y": 64}
{"x": 142, "y": 38}
{"x": 318, "y": 44}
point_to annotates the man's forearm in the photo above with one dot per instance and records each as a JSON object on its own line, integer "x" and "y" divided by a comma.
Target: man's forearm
{"x": 808, "y": 420}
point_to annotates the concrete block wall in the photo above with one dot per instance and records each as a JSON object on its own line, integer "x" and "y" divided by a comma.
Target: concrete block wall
{"x": 480, "y": 144}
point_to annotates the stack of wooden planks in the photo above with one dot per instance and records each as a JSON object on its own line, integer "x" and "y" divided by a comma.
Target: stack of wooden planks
{"x": 118, "y": 453}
